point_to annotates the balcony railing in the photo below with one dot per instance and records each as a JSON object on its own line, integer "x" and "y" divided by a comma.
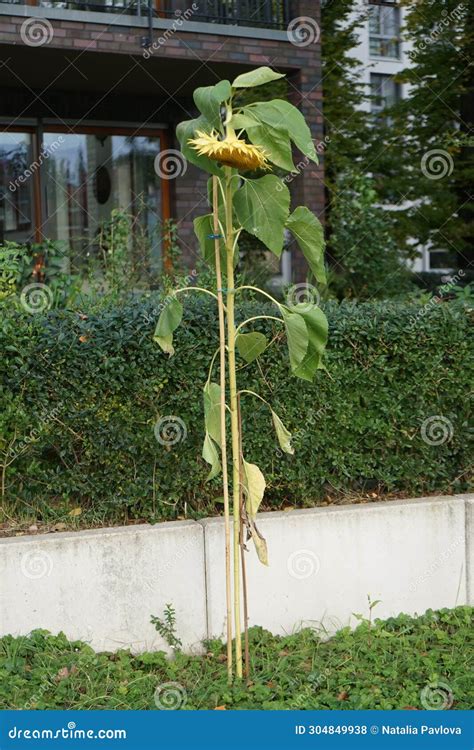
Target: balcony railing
{"x": 270, "y": 14}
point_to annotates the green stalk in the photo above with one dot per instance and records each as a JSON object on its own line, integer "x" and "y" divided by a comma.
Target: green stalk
{"x": 225, "y": 480}
{"x": 234, "y": 416}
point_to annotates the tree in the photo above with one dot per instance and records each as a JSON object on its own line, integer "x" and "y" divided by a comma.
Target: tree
{"x": 432, "y": 156}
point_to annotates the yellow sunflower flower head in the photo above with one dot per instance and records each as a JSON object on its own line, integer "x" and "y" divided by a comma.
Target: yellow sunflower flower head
{"x": 232, "y": 151}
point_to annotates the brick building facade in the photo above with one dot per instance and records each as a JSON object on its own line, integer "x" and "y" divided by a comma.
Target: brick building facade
{"x": 81, "y": 79}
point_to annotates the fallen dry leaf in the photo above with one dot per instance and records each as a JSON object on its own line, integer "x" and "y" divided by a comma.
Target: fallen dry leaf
{"x": 343, "y": 695}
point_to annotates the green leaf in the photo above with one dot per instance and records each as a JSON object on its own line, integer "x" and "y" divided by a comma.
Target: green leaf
{"x": 317, "y": 327}
{"x": 251, "y": 345}
{"x": 208, "y": 100}
{"x": 211, "y": 455}
{"x": 186, "y": 130}
{"x": 309, "y": 235}
{"x": 242, "y": 122}
{"x": 212, "y": 411}
{"x": 203, "y": 227}
{"x": 254, "y": 487}
{"x": 283, "y": 435}
{"x": 169, "y": 320}
{"x": 276, "y": 143}
{"x": 262, "y": 207}
{"x": 297, "y": 337}
{"x": 256, "y": 77}
{"x": 281, "y": 114}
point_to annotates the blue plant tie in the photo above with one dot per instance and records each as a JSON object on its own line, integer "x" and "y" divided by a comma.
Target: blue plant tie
{"x": 215, "y": 237}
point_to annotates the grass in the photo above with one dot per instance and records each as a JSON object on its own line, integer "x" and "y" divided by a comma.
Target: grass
{"x": 398, "y": 663}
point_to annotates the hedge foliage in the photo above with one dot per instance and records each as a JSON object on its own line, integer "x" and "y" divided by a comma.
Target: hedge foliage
{"x": 82, "y": 393}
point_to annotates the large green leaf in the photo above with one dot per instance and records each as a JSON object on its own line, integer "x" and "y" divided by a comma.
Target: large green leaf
{"x": 281, "y": 114}
{"x": 251, "y": 345}
{"x": 169, "y": 320}
{"x": 262, "y": 207}
{"x": 256, "y": 77}
{"x": 188, "y": 129}
{"x": 297, "y": 337}
{"x": 254, "y": 487}
{"x": 275, "y": 142}
{"x": 208, "y": 100}
{"x": 309, "y": 235}
{"x": 212, "y": 411}
{"x": 317, "y": 327}
{"x": 210, "y": 454}
{"x": 283, "y": 435}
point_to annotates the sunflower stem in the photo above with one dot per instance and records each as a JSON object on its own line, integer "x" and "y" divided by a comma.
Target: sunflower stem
{"x": 225, "y": 479}
{"x": 234, "y": 416}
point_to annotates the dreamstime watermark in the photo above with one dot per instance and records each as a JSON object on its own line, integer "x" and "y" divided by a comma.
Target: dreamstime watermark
{"x": 181, "y": 18}
{"x": 170, "y": 430}
{"x": 448, "y": 18}
{"x": 36, "y": 164}
{"x": 170, "y": 164}
{"x": 170, "y": 696}
{"x": 437, "y": 298}
{"x": 436, "y": 565}
{"x": 304, "y": 295}
{"x": 298, "y": 436}
{"x": 35, "y": 565}
{"x": 315, "y": 679}
{"x": 303, "y": 31}
{"x": 303, "y": 164}
{"x": 36, "y": 298}
{"x": 181, "y": 554}
{"x": 437, "y": 164}
{"x": 437, "y": 696}
{"x": 150, "y": 317}
{"x": 35, "y": 32}
{"x": 45, "y": 417}
{"x": 302, "y": 564}
{"x": 436, "y": 430}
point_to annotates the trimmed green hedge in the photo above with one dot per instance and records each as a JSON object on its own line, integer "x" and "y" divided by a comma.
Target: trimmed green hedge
{"x": 82, "y": 393}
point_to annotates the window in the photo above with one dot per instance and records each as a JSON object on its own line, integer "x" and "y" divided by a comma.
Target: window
{"x": 385, "y": 92}
{"x": 384, "y": 31}
{"x": 16, "y": 187}
{"x": 87, "y": 175}
{"x": 62, "y": 185}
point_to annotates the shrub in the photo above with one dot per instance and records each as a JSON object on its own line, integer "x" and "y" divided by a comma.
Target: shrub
{"x": 82, "y": 393}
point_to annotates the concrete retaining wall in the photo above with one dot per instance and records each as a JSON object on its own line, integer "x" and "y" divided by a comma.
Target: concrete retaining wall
{"x": 103, "y": 585}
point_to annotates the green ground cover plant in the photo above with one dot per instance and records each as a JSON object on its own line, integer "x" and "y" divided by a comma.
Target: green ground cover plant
{"x": 401, "y": 662}
{"x": 83, "y": 392}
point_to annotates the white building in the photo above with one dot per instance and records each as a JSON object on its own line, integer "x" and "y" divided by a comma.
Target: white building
{"x": 383, "y": 53}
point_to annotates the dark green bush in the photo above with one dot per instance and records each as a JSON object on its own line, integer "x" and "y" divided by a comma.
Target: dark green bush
{"x": 82, "y": 392}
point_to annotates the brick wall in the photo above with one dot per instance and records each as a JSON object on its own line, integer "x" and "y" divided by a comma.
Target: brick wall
{"x": 208, "y": 57}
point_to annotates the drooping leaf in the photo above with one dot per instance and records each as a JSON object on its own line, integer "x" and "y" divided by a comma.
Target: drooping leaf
{"x": 297, "y": 337}
{"x": 309, "y": 235}
{"x": 210, "y": 454}
{"x": 283, "y": 435}
{"x": 251, "y": 345}
{"x": 254, "y": 488}
{"x": 256, "y": 77}
{"x": 276, "y": 143}
{"x": 186, "y": 130}
{"x": 317, "y": 327}
{"x": 260, "y": 543}
{"x": 208, "y": 100}
{"x": 169, "y": 320}
{"x": 262, "y": 208}
{"x": 212, "y": 411}
{"x": 281, "y": 114}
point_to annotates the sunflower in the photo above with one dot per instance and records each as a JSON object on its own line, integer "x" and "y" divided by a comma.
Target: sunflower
{"x": 232, "y": 151}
